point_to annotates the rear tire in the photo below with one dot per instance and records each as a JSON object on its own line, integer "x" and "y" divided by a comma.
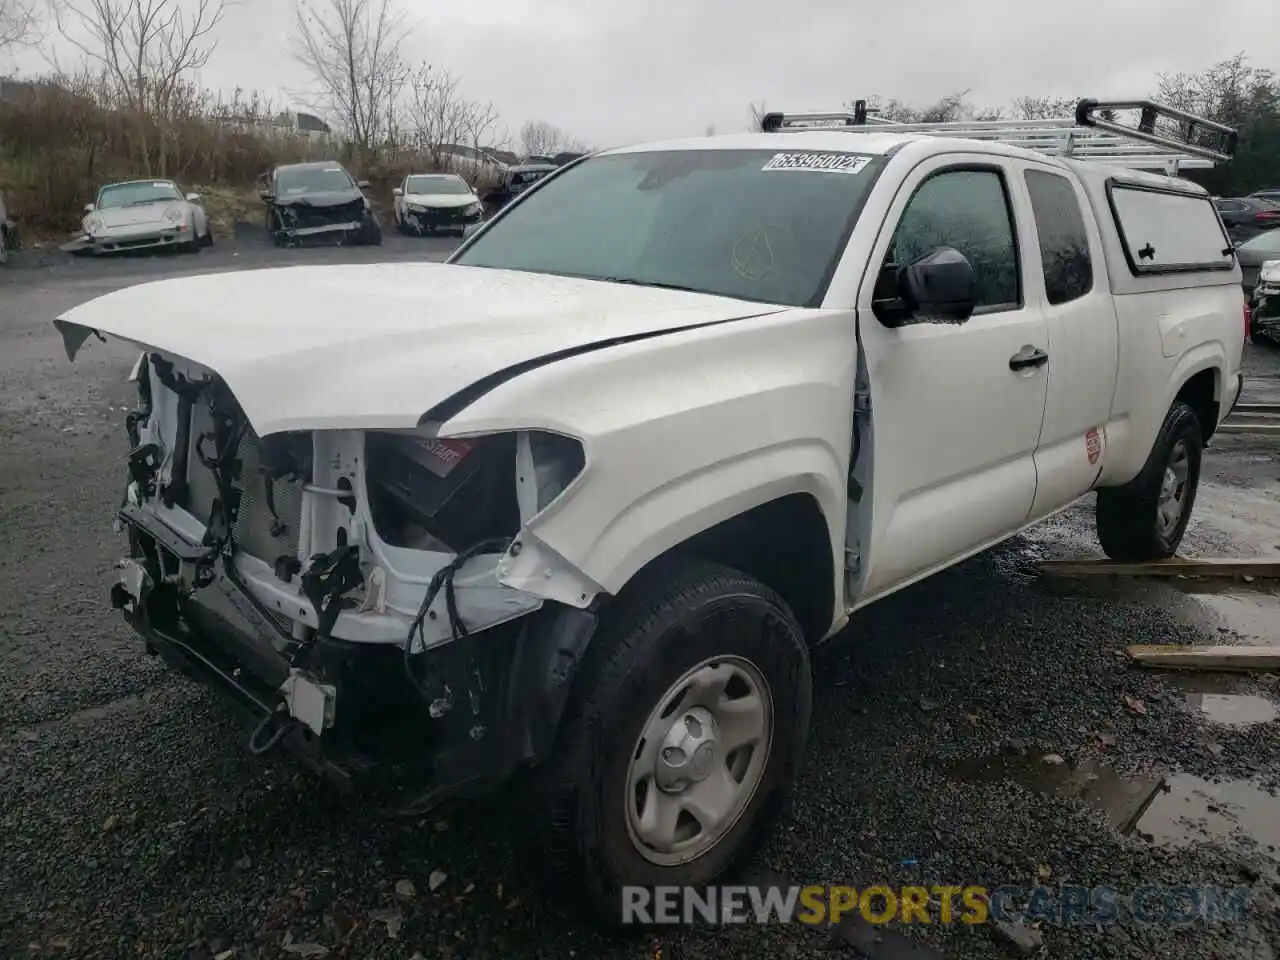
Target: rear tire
{"x": 1147, "y": 517}
{"x": 599, "y": 792}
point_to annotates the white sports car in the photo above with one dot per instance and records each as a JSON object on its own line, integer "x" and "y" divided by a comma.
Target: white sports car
{"x": 140, "y": 214}
{"x": 427, "y": 202}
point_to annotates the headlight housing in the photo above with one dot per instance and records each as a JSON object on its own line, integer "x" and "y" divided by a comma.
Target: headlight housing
{"x": 92, "y": 224}
{"x": 417, "y": 208}
{"x": 428, "y": 493}
{"x": 475, "y": 208}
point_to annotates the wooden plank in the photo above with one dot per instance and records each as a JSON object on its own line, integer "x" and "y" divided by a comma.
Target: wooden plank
{"x": 1190, "y": 657}
{"x": 1260, "y": 567}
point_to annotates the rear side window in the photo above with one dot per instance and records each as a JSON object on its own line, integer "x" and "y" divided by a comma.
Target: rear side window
{"x": 1064, "y": 243}
{"x": 1166, "y": 232}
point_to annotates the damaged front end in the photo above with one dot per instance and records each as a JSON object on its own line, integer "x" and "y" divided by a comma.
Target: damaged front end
{"x": 304, "y": 221}
{"x": 342, "y": 588}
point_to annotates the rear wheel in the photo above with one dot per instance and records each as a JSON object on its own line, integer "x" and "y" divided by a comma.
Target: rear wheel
{"x": 683, "y": 738}
{"x": 1146, "y": 518}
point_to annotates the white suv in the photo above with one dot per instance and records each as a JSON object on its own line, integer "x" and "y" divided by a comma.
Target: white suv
{"x": 583, "y": 498}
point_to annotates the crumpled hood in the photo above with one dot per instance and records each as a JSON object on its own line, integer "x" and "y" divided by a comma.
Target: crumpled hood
{"x": 332, "y": 198}
{"x": 378, "y": 345}
{"x": 443, "y": 201}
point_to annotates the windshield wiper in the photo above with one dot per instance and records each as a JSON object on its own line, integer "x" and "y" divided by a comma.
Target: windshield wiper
{"x": 631, "y": 281}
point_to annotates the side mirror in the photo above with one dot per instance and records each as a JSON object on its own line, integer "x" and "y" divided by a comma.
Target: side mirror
{"x": 397, "y": 192}
{"x": 193, "y": 197}
{"x": 88, "y": 208}
{"x": 363, "y": 184}
{"x": 939, "y": 287}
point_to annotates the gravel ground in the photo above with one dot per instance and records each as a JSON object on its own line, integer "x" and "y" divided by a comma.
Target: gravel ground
{"x": 134, "y": 824}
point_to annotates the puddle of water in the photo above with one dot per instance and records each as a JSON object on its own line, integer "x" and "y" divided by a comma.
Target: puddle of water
{"x": 1254, "y": 617}
{"x": 1233, "y": 709}
{"x": 1172, "y": 810}
{"x": 1195, "y": 809}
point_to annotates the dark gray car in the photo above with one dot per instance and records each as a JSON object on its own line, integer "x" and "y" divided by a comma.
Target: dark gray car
{"x": 1253, "y": 253}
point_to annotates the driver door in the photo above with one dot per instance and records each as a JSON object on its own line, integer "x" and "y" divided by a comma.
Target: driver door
{"x": 956, "y": 408}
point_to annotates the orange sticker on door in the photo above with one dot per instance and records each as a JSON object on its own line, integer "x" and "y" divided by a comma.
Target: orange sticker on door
{"x": 1093, "y": 445}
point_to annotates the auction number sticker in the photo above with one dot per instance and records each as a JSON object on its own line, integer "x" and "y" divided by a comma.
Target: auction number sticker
{"x": 818, "y": 162}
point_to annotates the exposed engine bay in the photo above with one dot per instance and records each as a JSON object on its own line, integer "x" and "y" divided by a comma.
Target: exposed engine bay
{"x": 327, "y": 576}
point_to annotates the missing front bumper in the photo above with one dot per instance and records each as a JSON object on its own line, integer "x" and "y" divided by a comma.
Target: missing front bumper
{"x": 347, "y": 710}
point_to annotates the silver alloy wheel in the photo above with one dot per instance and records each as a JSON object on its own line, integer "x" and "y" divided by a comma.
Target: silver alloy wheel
{"x": 1173, "y": 490}
{"x": 699, "y": 760}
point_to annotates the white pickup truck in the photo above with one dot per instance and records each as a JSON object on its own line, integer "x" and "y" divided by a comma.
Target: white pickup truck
{"x": 582, "y": 499}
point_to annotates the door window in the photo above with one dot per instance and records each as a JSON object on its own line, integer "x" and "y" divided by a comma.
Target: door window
{"x": 968, "y": 210}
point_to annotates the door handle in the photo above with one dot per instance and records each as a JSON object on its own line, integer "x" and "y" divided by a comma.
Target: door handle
{"x": 1028, "y": 357}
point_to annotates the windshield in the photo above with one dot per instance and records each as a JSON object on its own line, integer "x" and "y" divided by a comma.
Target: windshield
{"x": 1268, "y": 242}
{"x": 296, "y": 180}
{"x": 754, "y": 224}
{"x": 438, "y": 185}
{"x": 128, "y": 194}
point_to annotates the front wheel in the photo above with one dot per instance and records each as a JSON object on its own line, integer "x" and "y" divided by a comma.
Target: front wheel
{"x": 1146, "y": 519}
{"x": 682, "y": 741}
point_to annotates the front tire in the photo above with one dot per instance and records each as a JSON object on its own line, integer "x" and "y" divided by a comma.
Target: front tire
{"x": 1147, "y": 517}
{"x": 682, "y": 740}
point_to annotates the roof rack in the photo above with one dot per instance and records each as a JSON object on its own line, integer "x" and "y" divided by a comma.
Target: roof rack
{"x": 1180, "y": 140}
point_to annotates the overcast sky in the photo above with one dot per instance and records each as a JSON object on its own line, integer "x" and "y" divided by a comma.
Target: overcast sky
{"x": 616, "y": 71}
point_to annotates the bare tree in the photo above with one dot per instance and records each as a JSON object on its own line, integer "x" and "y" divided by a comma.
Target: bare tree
{"x": 540, "y": 137}
{"x": 480, "y": 121}
{"x": 352, "y": 50}
{"x": 1230, "y": 92}
{"x": 757, "y": 111}
{"x": 1043, "y": 108}
{"x": 20, "y": 23}
{"x": 145, "y": 50}
{"x": 438, "y": 115}
{"x": 144, "y": 47}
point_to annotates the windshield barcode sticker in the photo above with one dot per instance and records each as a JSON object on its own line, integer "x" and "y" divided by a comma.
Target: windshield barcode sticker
{"x": 818, "y": 162}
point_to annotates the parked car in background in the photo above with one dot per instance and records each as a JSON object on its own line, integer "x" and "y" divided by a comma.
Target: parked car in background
{"x": 427, "y": 202}
{"x": 318, "y": 201}
{"x": 560, "y": 159}
{"x": 475, "y": 165}
{"x": 1271, "y": 193}
{"x": 1252, "y": 254}
{"x": 1246, "y": 217}
{"x": 536, "y": 158}
{"x": 143, "y": 215}
{"x": 1264, "y": 305}
{"x": 515, "y": 181}
{"x": 8, "y": 232}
